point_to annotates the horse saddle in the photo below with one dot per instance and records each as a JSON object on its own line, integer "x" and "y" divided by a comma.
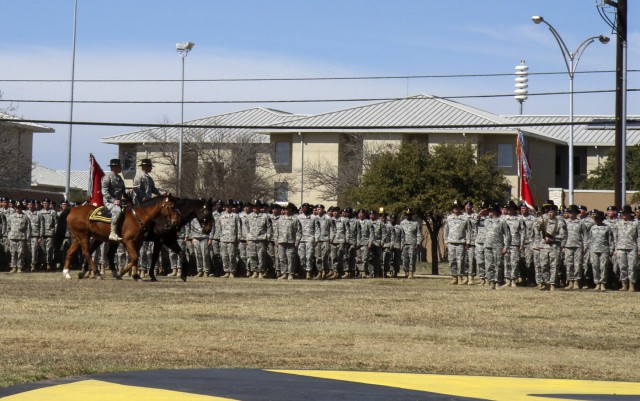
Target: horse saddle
{"x": 101, "y": 214}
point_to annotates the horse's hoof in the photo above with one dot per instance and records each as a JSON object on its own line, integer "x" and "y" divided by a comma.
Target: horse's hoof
{"x": 98, "y": 276}
{"x": 67, "y": 276}
{"x": 153, "y": 280}
{"x": 136, "y": 277}
{"x": 118, "y": 277}
{"x": 81, "y": 275}
{"x": 184, "y": 278}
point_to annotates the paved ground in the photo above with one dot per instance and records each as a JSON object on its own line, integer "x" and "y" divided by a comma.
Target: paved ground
{"x": 307, "y": 385}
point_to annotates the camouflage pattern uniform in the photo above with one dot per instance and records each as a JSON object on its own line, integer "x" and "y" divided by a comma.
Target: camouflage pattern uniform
{"x": 480, "y": 236}
{"x": 375, "y": 253}
{"x": 364, "y": 242}
{"x": 272, "y": 247}
{"x": 49, "y": 220}
{"x": 19, "y": 233}
{"x": 113, "y": 189}
{"x": 529, "y": 253}
{"x": 573, "y": 246}
{"x": 553, "y": 232}
{"x": 33, "y": 244}
{"x": 338, "y": 238}
{"x": 396, "y": 239}
{"x": 307, "y": 243}
{"x": 216, "y": 255}
{"x": 497, "y": 239}
{"x": 229, "y": 234}
{"x": 287, "y": 233}
{"x": 512, "y": 257}
{"x": 323, "y": 249}
{"x": 412, "y": 239}
{"x": 200, "y": 245}
{"x": 456, "y": 232}
{"x": 143, "y": 187}
{"x": 626, "y": 249}
{"x": 587, "y": 222}
{"x": 243, "y": 257}
{"x": 471, "y": 266}
{"x": 601, "y": 245}
{"x": 258, "y": 236}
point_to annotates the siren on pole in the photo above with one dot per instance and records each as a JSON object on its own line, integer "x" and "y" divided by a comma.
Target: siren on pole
{"x": 522, "y": 79}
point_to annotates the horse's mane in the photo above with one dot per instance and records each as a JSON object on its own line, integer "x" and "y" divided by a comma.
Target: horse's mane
{"x": 151, "y": 202}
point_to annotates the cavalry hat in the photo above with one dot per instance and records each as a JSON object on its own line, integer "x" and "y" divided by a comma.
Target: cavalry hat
{"x": 115, "y": 163}
{"x": 145, "y": 162}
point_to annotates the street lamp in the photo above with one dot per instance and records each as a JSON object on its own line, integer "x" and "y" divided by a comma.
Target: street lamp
{"x": 571, "y": 60}
{"x": 183, "y": 48}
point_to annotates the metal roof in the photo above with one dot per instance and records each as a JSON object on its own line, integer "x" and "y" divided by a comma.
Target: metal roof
{"x": 595, "y": 130}
{"x": 58, "y": 178}
{"x": 16, "y": 121}
{"x": 255, "y": 117}
{"x": 403, "y": 114}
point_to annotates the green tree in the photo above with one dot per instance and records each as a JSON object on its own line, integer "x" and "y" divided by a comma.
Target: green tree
{"x": 428, "y": 181}
{"x": 602, "y": 176}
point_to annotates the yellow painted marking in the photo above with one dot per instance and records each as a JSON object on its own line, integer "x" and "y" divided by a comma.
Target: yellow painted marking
{"x": 491, "y": 388}
{"x": 95, "y": 390}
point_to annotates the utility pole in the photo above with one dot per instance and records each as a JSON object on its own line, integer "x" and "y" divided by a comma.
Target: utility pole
{"x": 619, "y": 25}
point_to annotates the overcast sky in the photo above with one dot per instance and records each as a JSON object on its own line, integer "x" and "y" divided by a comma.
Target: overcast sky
{"x": 135, "y": 39}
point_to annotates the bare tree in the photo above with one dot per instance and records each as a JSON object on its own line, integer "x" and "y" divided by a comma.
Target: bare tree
{"x": 355, "y": 157}
{"x": 219, "y": 163}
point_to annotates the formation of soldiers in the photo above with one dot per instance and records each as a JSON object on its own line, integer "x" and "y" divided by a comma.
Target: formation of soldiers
{"x": 27, "y": 228}
{"x": 262, "y": 240}
{"x": 570, "y": 247}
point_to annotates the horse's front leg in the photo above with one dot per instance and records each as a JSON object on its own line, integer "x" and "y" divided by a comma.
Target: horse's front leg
{"x": 73, "y": 248}
{"x": 132, "y": 250}
{"x": 157, "y": 245}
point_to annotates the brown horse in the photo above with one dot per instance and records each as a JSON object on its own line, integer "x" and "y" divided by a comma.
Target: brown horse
{"x": 138, "y": 220}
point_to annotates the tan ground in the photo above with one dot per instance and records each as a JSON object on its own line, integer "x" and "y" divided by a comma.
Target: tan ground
{"x": 51, "y": 327}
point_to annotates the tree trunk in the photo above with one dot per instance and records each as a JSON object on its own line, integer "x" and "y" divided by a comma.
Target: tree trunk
{"x": 433, "y": 234}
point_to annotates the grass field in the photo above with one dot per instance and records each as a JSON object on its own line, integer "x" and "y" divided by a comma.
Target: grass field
{"x": 51, "y": 327}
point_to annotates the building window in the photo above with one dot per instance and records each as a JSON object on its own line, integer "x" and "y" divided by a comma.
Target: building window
{"x": 577, "y": 165}
{"x": 505, "y": 155}
{"x": 128, "y": 161}
{"x": 281, "y": 192}
{"x": 283, "y": 150}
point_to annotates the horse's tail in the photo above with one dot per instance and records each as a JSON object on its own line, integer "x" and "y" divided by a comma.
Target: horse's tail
{"x": 61, "y": 228}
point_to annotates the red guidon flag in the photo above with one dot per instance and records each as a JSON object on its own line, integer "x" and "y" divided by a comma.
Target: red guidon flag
{"x": 525, "y": 172}
{"x": 94, "y": 193}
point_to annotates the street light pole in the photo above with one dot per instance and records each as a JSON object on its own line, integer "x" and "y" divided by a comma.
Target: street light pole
{"x": 67, "y": 186}
{"x": 571, "y": 60}
{"x": 183, "y": 48}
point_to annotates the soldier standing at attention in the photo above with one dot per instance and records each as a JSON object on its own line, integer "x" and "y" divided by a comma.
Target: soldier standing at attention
{"x": 338, "y": 240}
{"x": 216, "y": 257}
{"x": 573, "y": 247}
{"x": 456, "y": 232}
{"x": 611, "y": 220}
{"x": 470, "y": 257}
{"x": 113, "y": 191}
{"x": 4, "y": 249}
{"x": 258, "y": 235}
{"x": 480, "y": 236}
{"x": 600, "y": 246}
{"x": 386, "y": 244}
{"x": 528, "y": 254}
{"x": 272, "y": 249}
{"x": 397, "y": 239}
{"x": 229, "y": 234}
{"x": 364, "y": 242}
{"x": 512, "y": 257}
{"x": 412, "y": 240}
{"x": 626, "y": 248}
{"x": 375, "y": 251}
{"x": 33, "y": 243}
{"x": 496, "y": 242}
{"x": 553, "y": 231}
{"x": 19, "y": 233}
{"x": 308, "y": 241}
{"x": 49, "y": 219}
{"x": 243, "y": 257}
{"x": 322, "y": 249}
{"x": 287, "y": 234}
{"x": 587, "y": 222}
{"x": 352, "y": 242}
{"x": 200, "y": 245}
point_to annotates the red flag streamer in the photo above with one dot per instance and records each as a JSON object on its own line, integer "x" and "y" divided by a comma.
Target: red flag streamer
{"x": 94, "y": 193}
{"x": 525, "y": 172}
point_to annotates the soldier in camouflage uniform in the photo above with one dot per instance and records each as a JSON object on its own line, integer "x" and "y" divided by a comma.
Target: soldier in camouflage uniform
{"x": 352, "y": 242}
{"x": 338, "y": 241}
{"x": 4, "y": 250}
{"x": 113, "y": 191}
{"x": 308, "y": 241}
{"x": 412, "y": 240}
{"x": 587, "y": 222}
{"x": 626, "y": 248}
{"x": 243, "y": 257}
{"x": 216, "y": 256}
{"x": 49, "y": 219}
{"x": 364, "y": 242}
{"x": 287, "y": 233}
{"x": 456, "y": 234}
{"x": 528, "y": 254}
{"x": 512, "y": 257}
{"x": 470, "y": 258}
{"x": 143, "y": 186}
{"x": 573, "y": 247}
{"x": 200, "y": 242}
{"x": 33, "y": 244}
{"x": 375, "y": 252}
{"x": 258, "y": 236}
{"x": 323, "y": 249}
{"x": 496, "y": 243}
{"x": 396, "y": 238}
{"x": 553, "y": 231}
{"x": 272, "y": 248}
{"x": 19, "y": 234}
{"x": 229, "y": 234}
{"x": 386, "y": 244}
{"x": 480, "y": 238}
{"x": 600, "y": 245}
{"x": 611, "y": 221}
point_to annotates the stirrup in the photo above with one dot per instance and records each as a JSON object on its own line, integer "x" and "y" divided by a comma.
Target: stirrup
{"x": 114, "y": 237}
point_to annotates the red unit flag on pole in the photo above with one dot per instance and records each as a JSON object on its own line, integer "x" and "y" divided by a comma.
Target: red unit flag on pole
{"x": 94, "y": 193}
{"x": 525, "y": 172}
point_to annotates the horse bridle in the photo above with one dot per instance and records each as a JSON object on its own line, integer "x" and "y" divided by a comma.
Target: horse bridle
{"x": 153, "y": 219}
